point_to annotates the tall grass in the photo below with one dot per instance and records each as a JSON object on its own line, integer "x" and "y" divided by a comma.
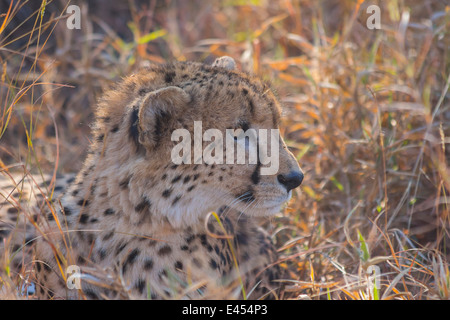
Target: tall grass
{"x": 366, "y": 112}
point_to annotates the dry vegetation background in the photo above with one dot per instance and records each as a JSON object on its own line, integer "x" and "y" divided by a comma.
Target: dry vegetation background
{"x": 366, "y": 112}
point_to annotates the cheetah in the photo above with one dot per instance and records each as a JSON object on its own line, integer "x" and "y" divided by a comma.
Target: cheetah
{"x": 136, "y": 225}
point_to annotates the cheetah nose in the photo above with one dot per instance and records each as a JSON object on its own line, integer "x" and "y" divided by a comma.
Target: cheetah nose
{"x": 291, "y": 180}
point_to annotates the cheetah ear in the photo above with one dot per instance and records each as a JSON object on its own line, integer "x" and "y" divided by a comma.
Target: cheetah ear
{"x": 225, "y": 62}
{"x": 157, "y": 113}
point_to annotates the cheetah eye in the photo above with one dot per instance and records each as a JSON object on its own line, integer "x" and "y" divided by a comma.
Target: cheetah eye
{"x": 244, "y": 138}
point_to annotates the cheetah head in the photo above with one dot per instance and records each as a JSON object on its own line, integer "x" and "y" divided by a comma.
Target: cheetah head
{"x": 157, "y": 128}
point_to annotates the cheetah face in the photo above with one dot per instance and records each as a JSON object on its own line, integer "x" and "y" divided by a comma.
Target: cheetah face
{"x": 221, "y": 100}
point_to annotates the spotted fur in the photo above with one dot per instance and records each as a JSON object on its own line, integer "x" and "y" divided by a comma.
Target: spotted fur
{"x": 140, "y": 226}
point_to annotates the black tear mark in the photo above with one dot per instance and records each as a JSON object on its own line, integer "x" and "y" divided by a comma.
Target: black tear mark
{"x": 256, "y": 177}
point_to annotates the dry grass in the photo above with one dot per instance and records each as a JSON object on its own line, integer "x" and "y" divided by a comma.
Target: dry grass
{"x": 367, "y": 114}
